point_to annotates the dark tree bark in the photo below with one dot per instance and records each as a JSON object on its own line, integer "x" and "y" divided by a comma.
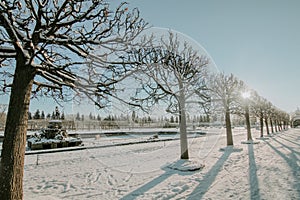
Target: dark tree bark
{"x": 228, "y": 128}
{"x": 13, "y": 151}
{"x": 272, "y": 126}
{"x": 247, "y": 117}
{"x": 276, "y": 125}
{"x": 261, "y": 120}
{"x": 267, "y": 125}
{"x": 280, "y": 125}
{"x": 45, "y": 46}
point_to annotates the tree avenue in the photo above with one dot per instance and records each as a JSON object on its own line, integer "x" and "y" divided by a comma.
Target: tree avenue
{"x": 70, "y": 49}
{"x": 231, "y": 96}
{"x": 45, "y": 46}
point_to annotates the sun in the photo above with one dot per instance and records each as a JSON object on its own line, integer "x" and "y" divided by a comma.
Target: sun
{"x": 246, "y": 95}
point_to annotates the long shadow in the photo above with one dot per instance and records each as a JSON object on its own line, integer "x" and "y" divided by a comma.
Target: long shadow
{"x": 293, "y": 137}
{"x": 291, "y": 134}
{"x": 210, "y": 176}
{"x": 254, "y": 184}
{"x": 284, "y": 145}
{"x": 288, "y": 140}
{"x": 143, "y": 189}
{"x": 292, "y": 162}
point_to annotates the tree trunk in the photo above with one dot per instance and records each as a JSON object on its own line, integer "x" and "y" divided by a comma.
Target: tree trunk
{"x": 267, "y": 125}
{"x": 271, "y": 123}
{"x": 228, "y": 128}
{"x": 183, "y": 132}
{"x": 279, "y": 126}
{"x": 247, "y": 117}
{"x": 285, "y": 125}
{"x": 14, "y": 143}
{"x": 261, "y": 119}
{"x": 276, "y": 125}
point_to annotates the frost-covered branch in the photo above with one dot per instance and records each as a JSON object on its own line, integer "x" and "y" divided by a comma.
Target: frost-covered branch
{"x": 163, "y": 66}
{"x": 60, "y": 38}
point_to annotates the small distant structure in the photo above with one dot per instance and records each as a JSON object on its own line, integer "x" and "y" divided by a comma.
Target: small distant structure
{"x": 54, "y": 136}
{"x": 56, "y": 113}
{"x": 153, "y": 137}
{"x": 295, "y": 121}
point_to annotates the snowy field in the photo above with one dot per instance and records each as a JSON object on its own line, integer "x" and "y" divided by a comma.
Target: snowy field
{"x": 268, "y": 170}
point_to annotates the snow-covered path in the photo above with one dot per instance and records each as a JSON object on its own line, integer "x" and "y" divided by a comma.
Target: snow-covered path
{"x": 268, "y": 170}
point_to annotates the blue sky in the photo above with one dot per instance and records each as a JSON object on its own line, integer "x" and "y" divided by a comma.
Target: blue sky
{"x": 258, "y": 40}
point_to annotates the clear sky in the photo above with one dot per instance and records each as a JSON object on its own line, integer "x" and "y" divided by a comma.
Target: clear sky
{"x": 258, "y": 40}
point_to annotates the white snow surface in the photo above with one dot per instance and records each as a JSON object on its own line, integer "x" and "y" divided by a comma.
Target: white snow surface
{"x": 265, "y": 170}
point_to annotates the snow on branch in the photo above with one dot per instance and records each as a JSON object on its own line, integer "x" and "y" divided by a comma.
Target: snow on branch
{"x": 172, "y": 69}
{"x": 57, "y": 39}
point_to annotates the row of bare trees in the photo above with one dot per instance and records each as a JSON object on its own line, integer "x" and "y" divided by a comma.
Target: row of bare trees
{"x": 232, "y": 96}
{"x": 273, "y": 117}
{"x": 71, "y": 49}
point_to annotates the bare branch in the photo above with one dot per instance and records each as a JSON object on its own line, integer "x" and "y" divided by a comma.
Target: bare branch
{"x": 59, "y": 38}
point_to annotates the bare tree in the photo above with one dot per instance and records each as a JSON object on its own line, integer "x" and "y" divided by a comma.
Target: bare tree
{"x": 273, "y": 114}
{"x": 172, "y": 74}
{"x": 44, "y": 49}
{"x": 258, "y": 105}
{"x": 267, "y": 113}
{"x": 225, "y": 91}
{"x": 246, "y": 103}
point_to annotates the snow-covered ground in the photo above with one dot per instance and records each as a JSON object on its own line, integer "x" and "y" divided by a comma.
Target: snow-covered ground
{"x": 267, "y": 170}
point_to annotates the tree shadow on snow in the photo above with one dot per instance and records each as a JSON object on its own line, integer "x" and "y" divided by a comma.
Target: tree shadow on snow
{"x": 292, "y": 161}
{"x": 254, "y": 184}
{"x": 288, "y": 140}
{"x": 178, "y": 167}
{"x": 211, "y": 175}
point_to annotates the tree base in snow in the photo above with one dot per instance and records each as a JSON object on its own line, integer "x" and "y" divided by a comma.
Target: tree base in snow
{"x": 231, "y": 149}
{"x": 250, "y": 142}
{"x": 185, "y": 165}
{"x": 263, "y": 138}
